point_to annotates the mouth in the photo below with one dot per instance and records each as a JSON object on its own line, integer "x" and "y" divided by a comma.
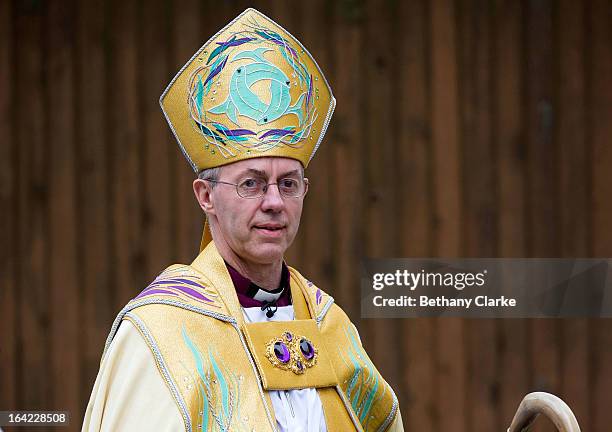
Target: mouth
{"x": 270, "y": 229}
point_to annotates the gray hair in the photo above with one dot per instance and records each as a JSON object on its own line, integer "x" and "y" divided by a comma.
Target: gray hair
{"x": 210, "y": 174}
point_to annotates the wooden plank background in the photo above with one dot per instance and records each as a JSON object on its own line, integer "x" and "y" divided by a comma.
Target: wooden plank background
{"x": 463, "y": 128}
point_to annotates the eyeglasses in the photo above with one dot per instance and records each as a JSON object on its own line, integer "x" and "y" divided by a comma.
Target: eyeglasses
{"x": 256, "y": 188}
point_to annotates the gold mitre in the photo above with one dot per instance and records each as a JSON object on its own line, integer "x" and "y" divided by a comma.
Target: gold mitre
{"x": 251, "y": 91}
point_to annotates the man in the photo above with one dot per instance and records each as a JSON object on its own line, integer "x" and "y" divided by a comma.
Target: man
{"x": 238, "y": 340}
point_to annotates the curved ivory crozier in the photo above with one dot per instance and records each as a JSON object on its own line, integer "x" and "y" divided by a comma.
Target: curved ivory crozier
{"x": 551, "y": 406}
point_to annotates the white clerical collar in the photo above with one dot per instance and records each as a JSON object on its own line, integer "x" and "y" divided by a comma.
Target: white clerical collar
{"x": 266, "y": 296}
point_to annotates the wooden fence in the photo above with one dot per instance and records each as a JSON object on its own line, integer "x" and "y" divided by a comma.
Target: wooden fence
{"x": 476, "y": 128}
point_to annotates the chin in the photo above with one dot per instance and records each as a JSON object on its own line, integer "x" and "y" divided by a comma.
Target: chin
{"x": 267, "y": 253}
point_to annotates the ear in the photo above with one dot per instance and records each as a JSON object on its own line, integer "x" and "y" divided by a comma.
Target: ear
{"x": 203, "y": 193}
{"x": 306, "y": 182}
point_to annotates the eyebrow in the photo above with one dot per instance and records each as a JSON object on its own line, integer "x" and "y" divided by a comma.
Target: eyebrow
{"x": 264, "y": 174}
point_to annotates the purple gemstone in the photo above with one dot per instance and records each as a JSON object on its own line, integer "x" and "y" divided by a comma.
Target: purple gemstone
{"x": 288, "y": 336}
{"x": 281, "y": 352}
{"x": 307, "y": 349}
{"x": 299, "y": 365}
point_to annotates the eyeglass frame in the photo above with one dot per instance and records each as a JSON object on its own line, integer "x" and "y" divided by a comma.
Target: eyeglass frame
{"x": 265, "y": 190}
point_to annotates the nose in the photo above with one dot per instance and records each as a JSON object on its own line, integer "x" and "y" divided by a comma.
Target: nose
{"x": 272, "y": 199}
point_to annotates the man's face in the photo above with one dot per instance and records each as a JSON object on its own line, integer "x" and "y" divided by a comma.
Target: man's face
{"x": 261, "y": 229}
